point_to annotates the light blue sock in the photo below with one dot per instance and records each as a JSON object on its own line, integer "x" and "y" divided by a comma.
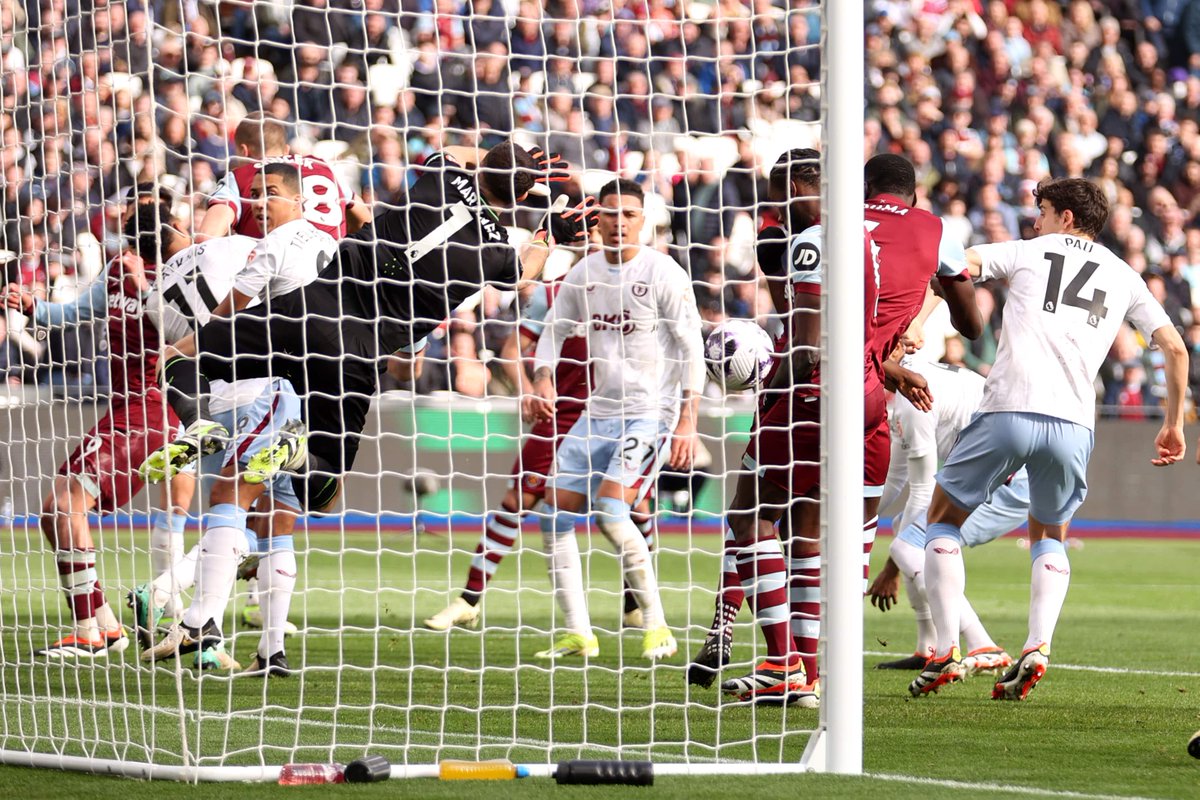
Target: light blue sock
{"x": 276, "y": 544}
{"x": 943, "y": 530}
{"x": 176, "y": 523}
{"x": 1046, "y": 546}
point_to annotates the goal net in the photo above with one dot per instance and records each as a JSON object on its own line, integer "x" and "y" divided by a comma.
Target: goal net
{"x": 694, "y": 101}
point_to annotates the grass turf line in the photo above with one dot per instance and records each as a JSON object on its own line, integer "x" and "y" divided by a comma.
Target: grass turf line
{"x": 423, "y": 695}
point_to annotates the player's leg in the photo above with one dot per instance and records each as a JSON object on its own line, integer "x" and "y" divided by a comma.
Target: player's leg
{"x": 762, "y": 569}
{"x": 907, "y": 556}
{"x": 989, "y": 449}
{"x": 167, "y": 525}
{"x": 495, "y": 542}
{"x": 640, "y": 447}
{"x": 277, "y": 571}
{"x": 1057, "y": 488}
{"x": 526, "y": 489}
{"x": 566, "y": 497}
{"x": 223, "y": 545}
{"x": 803, "y": 527}
{"x": 95, "y": 629}
{"x": 97, "y": 476}
{"x": 557, "y": 518}
{"x": 643, "y": 520}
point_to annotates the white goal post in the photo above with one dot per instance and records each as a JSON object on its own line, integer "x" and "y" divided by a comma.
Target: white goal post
{"x": 160, "y": 87}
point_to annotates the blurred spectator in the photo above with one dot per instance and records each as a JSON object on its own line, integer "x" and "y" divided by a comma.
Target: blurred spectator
{"x": 986, "y": 97}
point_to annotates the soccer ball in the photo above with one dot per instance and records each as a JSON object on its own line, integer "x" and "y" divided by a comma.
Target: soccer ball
{"x": 738, "y": 354}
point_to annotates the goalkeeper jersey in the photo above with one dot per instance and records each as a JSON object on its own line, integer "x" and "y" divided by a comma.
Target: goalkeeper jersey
{"x": 399, "y": 277}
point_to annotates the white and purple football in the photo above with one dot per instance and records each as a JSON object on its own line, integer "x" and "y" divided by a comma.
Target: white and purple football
{"x": 738, "y": 354}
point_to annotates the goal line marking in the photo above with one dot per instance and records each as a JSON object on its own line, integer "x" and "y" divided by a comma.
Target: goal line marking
{"x": 999, "y": 787}
{"x": 1161, "y": 673}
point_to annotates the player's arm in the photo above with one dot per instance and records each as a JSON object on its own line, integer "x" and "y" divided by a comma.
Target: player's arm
{"x": 955, "y": 279}
{"x": 358, "y": 215}
{"x": 83, "y": 308}
{"x": 251, "y": 282}
{"x": 560, "y": 323}
{"x": 914, "y": 337}
{"x": 1170, "y": 443}
{"x": 912, "y": 385}
{"x": 218, "y": 221}
{"x": 406, "y": 364}
{"x": 511, "y": 362}
{"x": 681, "y": 316}
{"x": 533, "y": 259}
{"x": 804, "y": 351}
{"x": 224, "y": 208}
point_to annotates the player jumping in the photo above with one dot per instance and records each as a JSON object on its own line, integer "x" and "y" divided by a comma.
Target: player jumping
{"x": 290, "y": 256}
{"x": 1068, "y": 297}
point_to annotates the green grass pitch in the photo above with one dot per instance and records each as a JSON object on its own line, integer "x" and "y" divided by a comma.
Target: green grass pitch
{"x": 1111, "y": 718}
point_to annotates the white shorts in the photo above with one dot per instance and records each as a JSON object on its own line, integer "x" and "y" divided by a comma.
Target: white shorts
{"x": 1007, "y": 510}
{"x": 996, "y": 444}
{"x": 629, "y": 452}
{"x": 253, "y": 429}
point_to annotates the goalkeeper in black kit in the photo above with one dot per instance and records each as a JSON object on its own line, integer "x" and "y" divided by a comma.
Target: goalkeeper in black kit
{"x": 369, "y": 310}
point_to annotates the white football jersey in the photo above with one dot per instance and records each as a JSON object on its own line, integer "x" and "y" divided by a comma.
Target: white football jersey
{"x": 643, "y": 334}
{"x": 287, "y": 258}
{"x": 957, "y": 393}
{"x": 193, "y": 282}
{"x": 1068, "y": 298}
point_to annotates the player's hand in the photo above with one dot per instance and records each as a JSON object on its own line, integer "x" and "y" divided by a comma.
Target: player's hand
{"x": 885, "y": 589}
{"x": 573, "y": 226}
{"x": 684, "y": 443}
{"x": 552, "y": 166}
{"x": 538, "y": 406}
{"x": 915, "y": 389}
{"x": 1170, "y": 445}
{"x": 18, "y": 299}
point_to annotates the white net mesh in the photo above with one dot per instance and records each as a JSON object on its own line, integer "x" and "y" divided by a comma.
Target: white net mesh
{"x": 693, "y": 101}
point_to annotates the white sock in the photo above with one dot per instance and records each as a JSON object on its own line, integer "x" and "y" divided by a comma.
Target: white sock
{"x": 167, "y": 587}
{"x": 106, "y": 620}
{"x": 945, "y": 580}
{"x": 926, "y": 632}
{"x": 617, "y": 526}
{"x": 221, "y": 550}
{"x": 909, "y": 558}
{"x": 277, "y": 581}
{"x": 253, "y": 589}
{"x": 166, "y": 540}
{"x": 870, "y": 529}
{"x": 974, "y": 635}
{"x": 566, "y": 568}
{"x": 1051, "y": 576}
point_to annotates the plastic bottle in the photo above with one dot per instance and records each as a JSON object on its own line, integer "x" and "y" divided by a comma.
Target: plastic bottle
{"x": 498, "y": 770}
{"x": 302, "y": 774}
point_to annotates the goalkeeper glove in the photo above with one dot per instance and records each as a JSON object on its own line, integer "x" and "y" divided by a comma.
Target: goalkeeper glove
{"x": 573, "y": 225}
{"x": 552, "y": 166}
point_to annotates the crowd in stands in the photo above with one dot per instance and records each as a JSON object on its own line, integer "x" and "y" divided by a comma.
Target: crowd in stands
{"x": 691, "y": 99}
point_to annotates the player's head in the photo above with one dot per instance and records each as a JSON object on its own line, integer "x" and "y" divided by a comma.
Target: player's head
{"x": 507, "y": 174}
{"x": 796, "y": 180}
{"x": 260, "y": 136}
{"x": 275, "y": 191}
{"x": 143, "y": 194}
{"x": 1070, "y": 205}
{"x": 622, "y": 216}
{"x": 891, "y": 174}
{"x": 150, "y": 233}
